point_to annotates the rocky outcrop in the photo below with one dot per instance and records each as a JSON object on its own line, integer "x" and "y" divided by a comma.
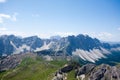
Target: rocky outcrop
{"x": 105, "y": 72}
{"x": 90, "y": 72}
{"x": 12, "y": 61}
{"x": 60, "y": 76}
{"x": 85, "y": 69}
{"x": 101, "y": 72}
{"x": 62, "y": 73}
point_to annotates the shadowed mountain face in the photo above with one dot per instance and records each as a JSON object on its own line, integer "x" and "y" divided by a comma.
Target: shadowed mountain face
{"x": 83, "y": 42}
{"x": 86, "y": 48}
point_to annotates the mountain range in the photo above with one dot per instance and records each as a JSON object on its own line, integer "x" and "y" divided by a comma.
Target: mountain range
{"x": 83, "y": 47}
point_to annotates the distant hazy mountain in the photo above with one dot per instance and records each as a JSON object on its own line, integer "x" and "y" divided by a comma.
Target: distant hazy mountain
{"x": 56, "y": 37}
{"x": 82, "y": 46}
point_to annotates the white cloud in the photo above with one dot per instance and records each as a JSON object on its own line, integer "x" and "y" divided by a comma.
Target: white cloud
{"x": 13, "y": 17}
{"x": 23, "y": 34}
{"x": 104, "y": 36}
{"x": 64, "y": 34}
{"x": 2, "y": 1}
{"x": 49, "y": 34}
{"x": 3, "y": 17}
{"x": 3, "y": 29}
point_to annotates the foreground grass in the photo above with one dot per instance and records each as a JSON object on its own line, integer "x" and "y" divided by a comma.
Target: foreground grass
{"x": 71, "y": 75}
{"x": 33, "y": 69}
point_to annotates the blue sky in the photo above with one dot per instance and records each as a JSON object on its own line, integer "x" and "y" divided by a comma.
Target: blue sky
{"x": 45, "y": 18}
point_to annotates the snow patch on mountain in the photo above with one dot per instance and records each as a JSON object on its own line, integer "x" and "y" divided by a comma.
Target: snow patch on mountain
{"x": 92, "y": 55}
{"x": 20, "y": 49}
{"x": 115, "y": 49}
{"x": 105, "y": 51}
{"x": 44, "y": 47}
{"x": 13, "y": 44}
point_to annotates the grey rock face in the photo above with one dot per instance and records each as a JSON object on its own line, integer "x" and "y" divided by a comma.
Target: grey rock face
{"x": 86, "y": 69}
{"x": 62, "y": 73}
{"x": 101, "y": 72}
{"x": 12, "y": 61}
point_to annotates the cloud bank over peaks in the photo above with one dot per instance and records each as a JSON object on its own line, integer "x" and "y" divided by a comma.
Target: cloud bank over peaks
{"x": 104, "y": 36}
{"x": 3, "y": 29}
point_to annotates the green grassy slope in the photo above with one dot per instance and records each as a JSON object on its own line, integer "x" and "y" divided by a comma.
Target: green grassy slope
{"x": 33, "y": 69}
{"x": 71, "y": 75}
